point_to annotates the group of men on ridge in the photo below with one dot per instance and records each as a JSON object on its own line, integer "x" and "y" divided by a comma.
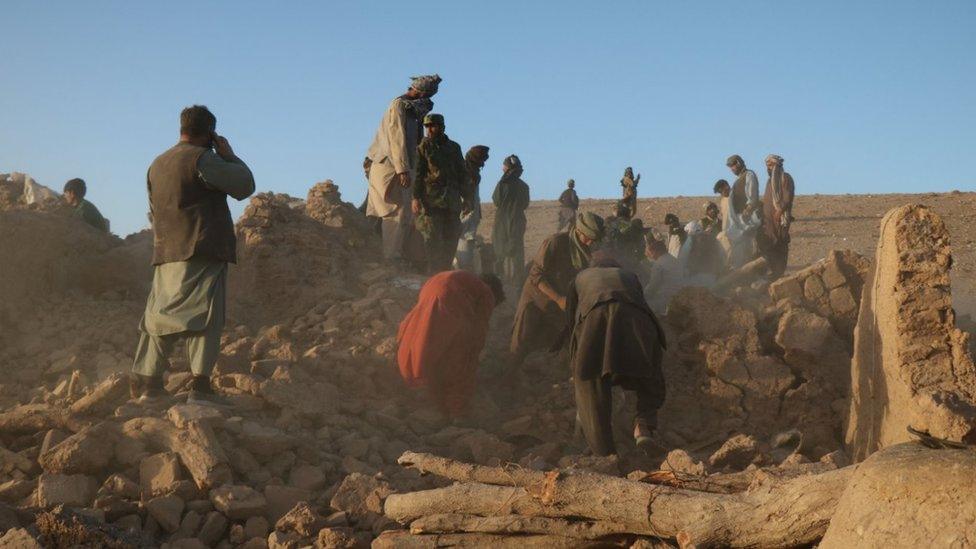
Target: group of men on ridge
{"x": 585, "y": 289}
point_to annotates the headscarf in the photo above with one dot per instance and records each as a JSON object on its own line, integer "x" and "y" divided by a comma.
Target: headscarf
{"x": 514, "y": 167}
{"x": 776, "y": 180}
{"x": 477, "y": 154}
{"x": 427, "y": 83}
{"x": 735, "y": 159}
{"x": 591, "y": 225}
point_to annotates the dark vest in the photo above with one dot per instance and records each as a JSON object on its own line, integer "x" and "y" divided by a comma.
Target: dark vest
{"x": 188, "y": 219}
{"x": 738, "y": 198}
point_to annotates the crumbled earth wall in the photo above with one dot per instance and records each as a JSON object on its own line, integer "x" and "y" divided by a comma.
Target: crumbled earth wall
{"x": 308, "y": 452}
{"x": 911, "y": 364}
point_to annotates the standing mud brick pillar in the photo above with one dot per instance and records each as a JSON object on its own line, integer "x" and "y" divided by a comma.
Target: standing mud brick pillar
{"x": 911, "y": 366}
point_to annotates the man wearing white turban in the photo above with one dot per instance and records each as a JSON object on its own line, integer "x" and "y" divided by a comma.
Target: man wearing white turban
{"x": 774, "y": 238}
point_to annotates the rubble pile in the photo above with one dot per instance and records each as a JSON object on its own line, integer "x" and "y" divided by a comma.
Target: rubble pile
{"x": 320, "y": 426}
{"x": 20, "y": 191}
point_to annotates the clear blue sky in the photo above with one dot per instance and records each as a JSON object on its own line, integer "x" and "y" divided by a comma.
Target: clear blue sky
{"x": 859, "y": 97}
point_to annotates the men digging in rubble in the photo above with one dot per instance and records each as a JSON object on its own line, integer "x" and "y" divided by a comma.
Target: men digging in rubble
{"x": 474, "y": 161}
{"x": 676, "y": 234}
{"x": 440, "y": 194}
{"x": 193, "y": 241}
{"x": 773, "y": 240}
{"x": 666, "y": 276}
{"x": 568, "y": 206}
{"x": 541, "y": 312}
{"x": 511, "y": 198}
{"x": 441, "y": 338}
{"x": 391, "y": 161}
{"x": 74, "y": 194}
{"x": 616, "y": 340}
{"x": 702, "y": 256}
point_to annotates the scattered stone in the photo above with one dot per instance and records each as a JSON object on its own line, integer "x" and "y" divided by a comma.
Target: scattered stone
{"x": 337, "y": 538}
{"x": 238, "y": 502}
{"x": 167, "y": 511}
{"x": 182, "y": 414}
{"x": 680, "y": 461}
{"x": 737, "y": 453}
{"x": 301, "y": 519}
{"x": 282, "y": 499}
{"x": 256, "y": 527}
{"x": 307, "y": 477}
{"x": 19, "y": 538}
{"x": 70, "y": 490}
{"x": 159, "y": 473}
{"x": 213, "y": 529}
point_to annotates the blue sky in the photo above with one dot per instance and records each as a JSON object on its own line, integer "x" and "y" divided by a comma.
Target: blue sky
{"x": 859, "y": 97}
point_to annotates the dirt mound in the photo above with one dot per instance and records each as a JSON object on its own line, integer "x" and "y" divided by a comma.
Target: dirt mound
{"x": 290, "y": 261}
{"x": 19, "y": 191}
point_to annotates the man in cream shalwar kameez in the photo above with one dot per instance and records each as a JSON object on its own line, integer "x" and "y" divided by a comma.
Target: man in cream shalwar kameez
{"x": 392, "y": 159}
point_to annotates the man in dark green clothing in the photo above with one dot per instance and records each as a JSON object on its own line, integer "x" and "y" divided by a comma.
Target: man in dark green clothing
{"x": 440, "y": 194}
{"x": 74, "y": 194}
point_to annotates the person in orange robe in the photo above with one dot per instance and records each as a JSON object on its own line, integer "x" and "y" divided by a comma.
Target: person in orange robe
{"x": 441, "y": 338}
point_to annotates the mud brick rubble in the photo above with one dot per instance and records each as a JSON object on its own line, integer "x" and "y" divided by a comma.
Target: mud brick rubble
{"x": 324, "y": 447}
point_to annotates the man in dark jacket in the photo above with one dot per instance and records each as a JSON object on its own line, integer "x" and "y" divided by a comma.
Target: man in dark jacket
{"x": 616, "y": 340}
{"x": 440, "y": 194}
{"x": 193, "y": 241}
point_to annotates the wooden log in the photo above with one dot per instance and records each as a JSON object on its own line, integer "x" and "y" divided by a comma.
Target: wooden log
{"x": 509, "y": 475}
{"x": 31, "y": 418}
{"x": 196, "y": 445}
{"x": 743, "y": 275}
{"x": 787, "y": 513}
{"x": 516, "y": 524}
{"x": 104, "y": 398}
{"x": 400, "y": 539}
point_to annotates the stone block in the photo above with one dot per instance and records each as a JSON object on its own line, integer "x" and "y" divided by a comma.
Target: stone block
{"x": 159, "y": 473}
{"x": 167, "y": 511}
{"x": 238, "y": 502}
{"x": 71, "y": 490}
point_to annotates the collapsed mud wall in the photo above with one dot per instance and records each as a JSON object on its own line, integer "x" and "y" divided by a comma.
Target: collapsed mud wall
{"x": 911, "y": 364}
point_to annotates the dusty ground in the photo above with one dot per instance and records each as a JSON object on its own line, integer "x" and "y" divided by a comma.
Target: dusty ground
{"x": 823, "y": 222}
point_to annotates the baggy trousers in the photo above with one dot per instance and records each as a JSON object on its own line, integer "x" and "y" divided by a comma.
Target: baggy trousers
{"x": 594, "y": 405}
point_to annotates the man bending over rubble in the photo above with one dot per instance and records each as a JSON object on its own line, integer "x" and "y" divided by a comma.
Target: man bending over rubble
{"x": 193, "y": 241}
{"x": 440, "y": 339}
{"x": 616, "y": 340}
{"x": 541, "y": 312}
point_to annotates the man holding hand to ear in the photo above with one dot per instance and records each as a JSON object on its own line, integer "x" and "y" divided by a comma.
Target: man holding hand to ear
{"x": 193, "y": 241}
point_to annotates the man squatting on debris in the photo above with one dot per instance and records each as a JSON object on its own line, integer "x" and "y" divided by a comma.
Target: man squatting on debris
{"x": 193, "y": 241}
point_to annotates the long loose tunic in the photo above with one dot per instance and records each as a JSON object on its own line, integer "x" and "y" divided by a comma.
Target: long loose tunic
{"x": 539, "y": 319}
{"x": 614, "y": 332}
{"x": 774, "y": 243}
{"x": 441, "y": 338}
{"x": 511, "y": 198}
